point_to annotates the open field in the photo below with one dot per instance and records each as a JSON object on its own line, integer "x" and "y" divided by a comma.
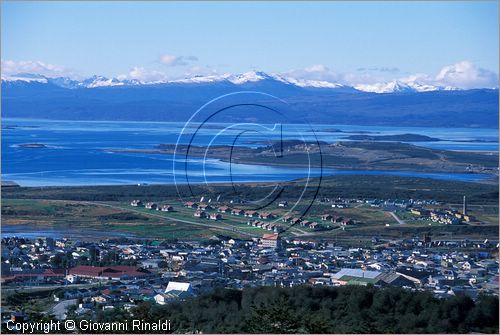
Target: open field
{"x": 105, "y": 211}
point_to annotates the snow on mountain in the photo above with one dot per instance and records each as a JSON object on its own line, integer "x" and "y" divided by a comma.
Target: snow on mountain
{"x": 26, "y": 77}
{"x": 390, "y": 87}
{"x": 395, "y": 86}
{"x": 100, "y": 81}
{"x": 246, "y": 77}
{"x": 201, "y": 79}
{"x": 311, "y": 83}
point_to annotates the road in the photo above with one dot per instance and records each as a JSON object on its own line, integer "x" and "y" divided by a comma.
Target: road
{"x": 397, "y": 219}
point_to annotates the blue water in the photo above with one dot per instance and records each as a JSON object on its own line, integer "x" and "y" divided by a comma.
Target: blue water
{"x": 78, "y": 152}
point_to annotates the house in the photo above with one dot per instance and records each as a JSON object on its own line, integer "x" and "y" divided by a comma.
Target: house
{"x": 295, "y": 221}
{"x": 200, "y": 214}
{"x": 136, "y": 203}
{"x": 223, "y": 209}
{"x": 346, "y": 222}
{"x": 305, "y": 223}
{"x": 204, "y": 207}
{"x": 251, "y": 214}
{"x": 283, "y": 204}
{"x": 190, "y": 204}
{"x": 167, "y": 208}
{"x": 237, "y": 211}
{"x": 326, "y": 217}
{"x": 161, "y": 299}
{"x": 266, "y": 215}
{"x": 286, "y": 218}
{"x": 271, "y": 241}
{"x": 215, "y": 216}
{"x": 151, "y": 205}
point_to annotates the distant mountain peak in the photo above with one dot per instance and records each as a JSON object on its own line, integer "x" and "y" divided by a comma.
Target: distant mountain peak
{"x": 96, "y": 81}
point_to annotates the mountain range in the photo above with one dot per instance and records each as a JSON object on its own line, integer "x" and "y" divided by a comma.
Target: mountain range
{"x": 394, "y": 103}
{"x": 237, "y": 79}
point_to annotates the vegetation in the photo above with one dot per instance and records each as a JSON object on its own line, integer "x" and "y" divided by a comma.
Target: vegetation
{"x": 350, "y": 309}
{"x": 358, "y": 186}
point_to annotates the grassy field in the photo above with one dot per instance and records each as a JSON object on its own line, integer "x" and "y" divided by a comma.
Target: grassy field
{"x": 107, "y": 209}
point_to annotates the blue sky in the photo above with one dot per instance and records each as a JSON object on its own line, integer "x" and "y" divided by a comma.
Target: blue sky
{"x": 378, "y": 40}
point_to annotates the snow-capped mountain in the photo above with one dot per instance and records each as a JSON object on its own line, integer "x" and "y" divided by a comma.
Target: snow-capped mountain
{"x": 396, "y": 86}
{"x": 100, "y": 98}
{"x": 250, "y": 77}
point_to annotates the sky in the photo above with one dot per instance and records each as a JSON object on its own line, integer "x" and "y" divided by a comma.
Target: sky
{"x": 355, "y": 42}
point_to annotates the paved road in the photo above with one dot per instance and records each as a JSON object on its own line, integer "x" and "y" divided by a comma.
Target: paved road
{"x": 396, "y": 218}
{"x": 61, "y": 308}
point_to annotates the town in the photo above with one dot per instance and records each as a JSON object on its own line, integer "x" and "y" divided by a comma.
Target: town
{"x": 79, "y": 278}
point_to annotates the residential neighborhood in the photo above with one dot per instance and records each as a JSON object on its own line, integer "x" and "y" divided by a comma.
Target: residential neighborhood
{"x": 101, "y": 275}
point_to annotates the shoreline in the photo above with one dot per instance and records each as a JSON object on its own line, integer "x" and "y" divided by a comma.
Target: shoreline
{"x": 486, "y": 179}
{"x": 340, "y": 168}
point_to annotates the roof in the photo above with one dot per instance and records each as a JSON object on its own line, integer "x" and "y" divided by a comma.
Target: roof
{"x": 177, "y": 286}
{"x": 358, "y": 273}
{"x": 389, "y": 277}
{"x": 109, "y": 271}
{"x": 86, "y": 270}
{"x": 270, "y": 236}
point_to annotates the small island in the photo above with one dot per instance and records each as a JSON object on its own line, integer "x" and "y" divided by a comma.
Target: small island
{"x": 336, "y": 130}
{"x": 33, "y": 145}
{"x": 394, "y": 138}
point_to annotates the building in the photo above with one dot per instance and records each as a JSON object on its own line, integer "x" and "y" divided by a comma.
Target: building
{"x": 223, "y": 209}
{"x": 266, "y": 216}
{"x": 167, "y": 208}
{"x": 215, "y": 216}
{"x": 272, "y": 241}
{"x": 190, "y": 204}
{"x": 251, "y": 214}
{"x": 136, "y": 203}
{"x": 151, "y": 205}
{"x": 174, "y": 291}
{"x": 108, "y": 272}
{"x": 200, "y": 214}
{"x": 237, "y": 211}
{"x": 326, "y": 217}
{"x": 204, "y": 207}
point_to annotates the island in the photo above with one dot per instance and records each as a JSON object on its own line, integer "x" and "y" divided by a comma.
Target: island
{"x": 352, "y": 155}
{"x": 33, "y": 145}
{"x": 394, "y": 138}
